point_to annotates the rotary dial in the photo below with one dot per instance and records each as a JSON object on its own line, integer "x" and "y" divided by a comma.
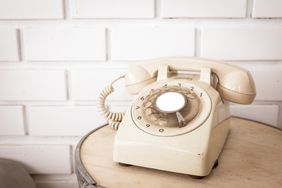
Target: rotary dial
{"x": 170, "y": 108}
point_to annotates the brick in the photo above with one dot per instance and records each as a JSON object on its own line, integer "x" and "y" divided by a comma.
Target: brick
{"x": 113, "y": 9}
{"x": 40, "y": 159}
{"x": 267, "y": 9}
{"x": 248, "y": 43}
{"x": 268, "y": 80}
{"x": 268, "y": 83}
{"x": 86, "y": 84}
{"x": 267, "y": 114}
{"x": 31, "y": 9}
{"x": 32, "y": 85}
{"x": 65, "y": 43}
{"x": 11, "y": 120}
{"x": 143, "y": 42}
{"x": 71, "y": 121}
{"x": 203, "y": 8}
{"x": 8, "y": 44}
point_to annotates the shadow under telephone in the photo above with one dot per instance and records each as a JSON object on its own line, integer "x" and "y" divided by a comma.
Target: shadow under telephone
{"x": 178, "y": 121}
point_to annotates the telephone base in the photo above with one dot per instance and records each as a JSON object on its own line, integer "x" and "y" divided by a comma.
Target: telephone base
{"x": 201, "y": 177}
{"x": 196, "y": 156}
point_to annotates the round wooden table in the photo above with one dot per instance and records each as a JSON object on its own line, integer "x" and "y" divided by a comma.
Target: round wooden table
{"x": 252, "y": 157}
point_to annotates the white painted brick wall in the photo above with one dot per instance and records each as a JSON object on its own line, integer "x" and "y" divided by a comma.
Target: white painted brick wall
{"x": 65, "y": 43}
{"x": 11, "y": 120}
{"x": 113, "y": 9}
{"x": 86, "y": 84}
{"x": 57, "y": 55}
{"x": 143, "y": 42}
{"x": 263, "y": 113}
{"x": 246, "y": 43}
{"x": 63, "y": 120}
{"x": 32, "y": 85}
{"x": 40, "y": 159}
{"x": 203, "y": 8}
{"x": 8, "y": 44}
{"x": 31, "y": 9}
{"x": 267, "y": 9}
{"x": 268, "y": 79}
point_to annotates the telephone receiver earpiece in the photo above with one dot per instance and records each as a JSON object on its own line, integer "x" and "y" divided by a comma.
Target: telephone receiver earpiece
{"x": 234, "y": 84}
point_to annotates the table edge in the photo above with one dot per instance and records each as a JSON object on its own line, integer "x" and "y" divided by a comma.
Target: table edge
{"x": 83, "y": 177}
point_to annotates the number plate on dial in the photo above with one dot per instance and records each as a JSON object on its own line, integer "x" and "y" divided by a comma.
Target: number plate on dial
{"x": 152, "y": 116}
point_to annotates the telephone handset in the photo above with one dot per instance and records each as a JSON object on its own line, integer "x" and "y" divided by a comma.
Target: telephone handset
{"x": 235, "y": 84}
{"x": 178, "y": 121}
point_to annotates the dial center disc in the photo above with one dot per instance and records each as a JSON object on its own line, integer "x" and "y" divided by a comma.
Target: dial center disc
{"x": 170, "y": 102}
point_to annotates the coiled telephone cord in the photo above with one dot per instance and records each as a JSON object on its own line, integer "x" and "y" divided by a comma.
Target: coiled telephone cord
{"x": 114, "y": 118}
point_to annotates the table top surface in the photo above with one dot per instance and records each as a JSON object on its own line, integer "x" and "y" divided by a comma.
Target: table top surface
{"x": 252, "y": 157}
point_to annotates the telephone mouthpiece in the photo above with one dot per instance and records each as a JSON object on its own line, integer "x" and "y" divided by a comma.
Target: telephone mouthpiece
{"x": 137, "y": 78}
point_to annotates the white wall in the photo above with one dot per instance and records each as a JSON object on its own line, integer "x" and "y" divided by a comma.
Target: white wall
{"x": 56, "y": 55}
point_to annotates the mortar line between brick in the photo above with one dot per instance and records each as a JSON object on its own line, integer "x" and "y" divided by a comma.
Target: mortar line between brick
{"x": 67, "y": 84}
{"x": 25, "y": 120}
{"x": 107, "y": 44}
{"x": 67, "y": 9}
{"x": 197, "y": 42}
{"x": 249, "y": 8}
{"x": 157, "y": 9}
{"x": 20, "y": 45}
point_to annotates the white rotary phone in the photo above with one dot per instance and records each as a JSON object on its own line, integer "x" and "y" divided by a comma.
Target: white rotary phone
{"x": 179, "y": 120}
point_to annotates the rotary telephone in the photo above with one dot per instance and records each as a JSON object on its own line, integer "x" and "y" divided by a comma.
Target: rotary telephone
{"x": 179, "y": 119}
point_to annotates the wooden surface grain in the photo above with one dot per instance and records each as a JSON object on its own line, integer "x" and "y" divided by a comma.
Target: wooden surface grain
{"x": 252, "y": 157}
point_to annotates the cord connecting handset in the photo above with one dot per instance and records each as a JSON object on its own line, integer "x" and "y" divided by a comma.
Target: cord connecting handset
{"x": 114, "y": 118}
